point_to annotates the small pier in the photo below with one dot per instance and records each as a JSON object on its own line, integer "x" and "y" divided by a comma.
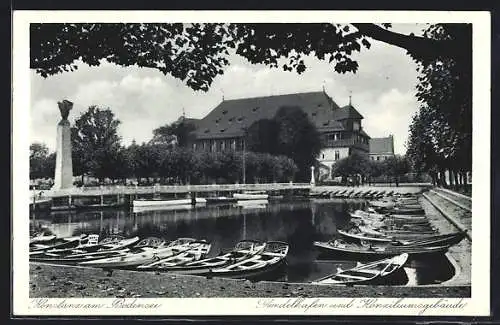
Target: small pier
{"x": 365, "y": 191}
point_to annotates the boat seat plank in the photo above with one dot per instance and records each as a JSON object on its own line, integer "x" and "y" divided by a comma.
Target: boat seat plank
{"x": 369, "y": 271}
{"x": 351, "y": 276}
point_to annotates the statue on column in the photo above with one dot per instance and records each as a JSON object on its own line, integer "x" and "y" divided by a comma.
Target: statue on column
{"x": 64, "y": 107}
{"x": 63, "y": 176}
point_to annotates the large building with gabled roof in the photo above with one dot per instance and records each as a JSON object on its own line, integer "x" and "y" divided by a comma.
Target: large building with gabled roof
{"x": 340, "y": 127}
{"x": 382, "y": 148}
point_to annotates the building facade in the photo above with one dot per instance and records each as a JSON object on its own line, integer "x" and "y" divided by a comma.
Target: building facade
{"x": 340, "y": 127}
{"x": 382, "y": 148}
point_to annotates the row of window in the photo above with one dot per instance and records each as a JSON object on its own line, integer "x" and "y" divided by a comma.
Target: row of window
{"x": 378, "y": 158}
{"x": 218, "y": 145}
{"x": 358, "y": 138}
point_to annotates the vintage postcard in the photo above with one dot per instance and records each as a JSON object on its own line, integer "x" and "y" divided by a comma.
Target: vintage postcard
{"x": 251, "y": 163}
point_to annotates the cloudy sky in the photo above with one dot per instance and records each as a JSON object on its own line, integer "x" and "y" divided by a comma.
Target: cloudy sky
{"x": 383, "y": 91}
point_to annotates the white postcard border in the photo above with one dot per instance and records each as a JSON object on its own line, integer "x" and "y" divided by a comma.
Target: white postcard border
{"x": 477, "y": 305}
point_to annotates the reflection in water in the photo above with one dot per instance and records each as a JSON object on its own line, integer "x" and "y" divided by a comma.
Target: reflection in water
{"x": 297, "y": 223}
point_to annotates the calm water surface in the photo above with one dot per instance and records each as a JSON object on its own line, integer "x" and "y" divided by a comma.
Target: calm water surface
{"x": 299, "y": 223}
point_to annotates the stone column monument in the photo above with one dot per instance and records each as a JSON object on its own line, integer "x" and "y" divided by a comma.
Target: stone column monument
{"x": 64, "y": 165}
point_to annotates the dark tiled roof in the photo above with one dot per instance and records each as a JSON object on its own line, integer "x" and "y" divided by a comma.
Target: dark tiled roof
{"x": 230, "y": 117}
{"x": 348, "y": 112}
{"x": 190, "y": 120}
{"x": 382, "y": 145}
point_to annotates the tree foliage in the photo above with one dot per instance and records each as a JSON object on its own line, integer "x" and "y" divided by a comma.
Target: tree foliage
{"x": 42, "y": 163}
{"x": 434, "y": 146}
{"x": 95, "y": 142}
{"x": 440, "y": 136}
{"x": 262, "y": 136}
{"x": 177, "y": 133}
{"x": 396, "y": 167}
{"x": 354, "y": 164}
{"x": 290, "y": 133}
{"x": 197, "y": 53}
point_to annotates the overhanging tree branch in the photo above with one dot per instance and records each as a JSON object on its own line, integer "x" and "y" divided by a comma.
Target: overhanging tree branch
{"x": 419, "y": 47}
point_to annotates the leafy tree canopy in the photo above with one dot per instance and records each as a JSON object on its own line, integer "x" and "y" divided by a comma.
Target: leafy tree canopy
{"x": 95, "y": 142}
{"x": 178, "y": 133}
{"x": 290, "y": 133}
{"x": 354, "y": 164}
{"x": 197, "y": 53}
{"x": 42, "y": 163}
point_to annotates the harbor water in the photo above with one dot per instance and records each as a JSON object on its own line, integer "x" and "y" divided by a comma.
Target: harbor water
{"x": 298, "y": 222}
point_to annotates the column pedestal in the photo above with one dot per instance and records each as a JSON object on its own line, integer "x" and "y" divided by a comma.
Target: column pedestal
{"x": 64, "y": 164}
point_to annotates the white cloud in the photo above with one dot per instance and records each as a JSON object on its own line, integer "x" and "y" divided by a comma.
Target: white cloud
{"x": 391, "y": 114}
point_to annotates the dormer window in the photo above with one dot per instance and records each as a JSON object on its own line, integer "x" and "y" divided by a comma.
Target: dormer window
{"x": 222, "y": 130}
{"x": 326, "y": 123}
{"x": 255, "y": 109}
{"x": 224, "y": 112}
{"x": 313, "y": 113}
{"x": 241, "y": 118}
{"x": 207, "y": 130}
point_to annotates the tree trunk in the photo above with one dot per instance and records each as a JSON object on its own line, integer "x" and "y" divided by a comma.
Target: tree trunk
{"x": 455, "y": 175}
{"x": 442, "y": 178}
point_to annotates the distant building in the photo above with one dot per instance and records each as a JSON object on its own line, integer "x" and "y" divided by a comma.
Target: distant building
{"x": 340, "y": 127}
{"x": 381, "y": 148}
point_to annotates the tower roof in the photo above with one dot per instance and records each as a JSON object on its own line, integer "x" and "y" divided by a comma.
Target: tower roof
{"x": 347, "y": 112}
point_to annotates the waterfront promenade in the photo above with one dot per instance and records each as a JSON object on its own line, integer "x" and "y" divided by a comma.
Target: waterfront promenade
{"x": 130, "y": 190}
{"x": 173, "y": 189}
{"x": 118, "y": 195}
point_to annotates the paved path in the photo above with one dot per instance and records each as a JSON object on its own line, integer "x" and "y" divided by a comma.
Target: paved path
{"x": 456, "y": 219}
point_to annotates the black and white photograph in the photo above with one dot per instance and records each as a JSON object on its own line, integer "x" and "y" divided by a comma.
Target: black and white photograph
{"x": 312, "y": 163}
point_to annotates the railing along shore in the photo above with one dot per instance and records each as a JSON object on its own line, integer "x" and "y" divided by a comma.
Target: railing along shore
{"x": 120, "y": 189}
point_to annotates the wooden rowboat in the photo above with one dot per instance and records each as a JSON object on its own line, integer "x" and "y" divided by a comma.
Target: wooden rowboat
{"x": 250, "y": 196}
{"x": 243, "y": 250}
{"x": 270, "y": 259}
{"x": 352, "y": 250}
{"x": 146, "y": 251}
{"x": 193, "y": 254}
{"x": 108, "y": 247}
{"x": 93, "y": 244}
{"x": 42, "y": 238}
{"x": 151, "y": 203}
{"x": 431, "y": 240}
{"x": 380, "y": 216}
{"x": 377, "y": 272}
{"x": 59, "y": 243}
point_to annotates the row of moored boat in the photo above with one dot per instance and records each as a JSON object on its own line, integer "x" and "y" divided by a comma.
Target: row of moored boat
{"x": 389, "y": 231}
{"x": 382, "y": 238}
{"x": 184, "y": 255}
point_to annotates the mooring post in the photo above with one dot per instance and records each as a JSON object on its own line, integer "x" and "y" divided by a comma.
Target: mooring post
{"x": 102, "y": 200}
{"x": 34, "y": 200}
